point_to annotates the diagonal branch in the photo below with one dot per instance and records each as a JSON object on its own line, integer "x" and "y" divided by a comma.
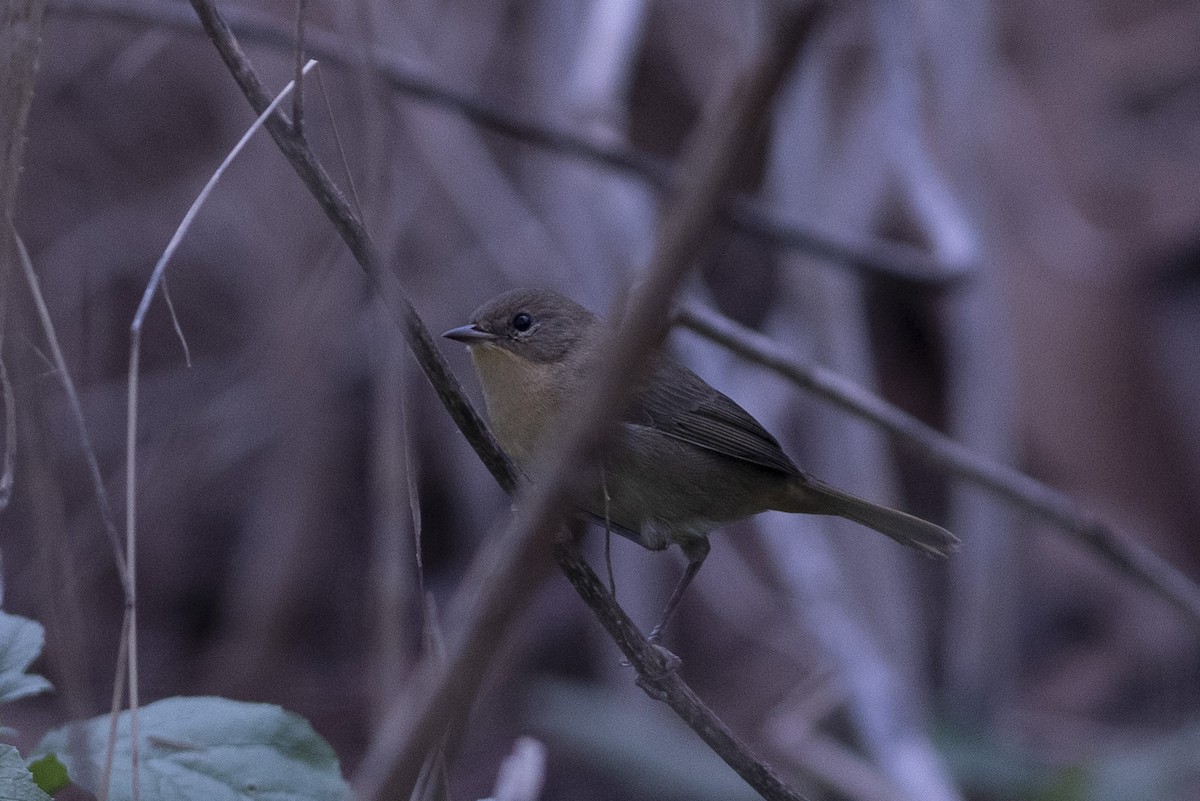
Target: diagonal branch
{"x": 1126, "y": 554}
{"x": 505, "y": 573}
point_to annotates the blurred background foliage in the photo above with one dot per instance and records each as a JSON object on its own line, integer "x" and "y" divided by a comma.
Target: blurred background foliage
{"x": 1043, "y": 155}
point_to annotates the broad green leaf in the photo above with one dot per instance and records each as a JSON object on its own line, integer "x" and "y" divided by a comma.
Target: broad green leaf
{"x": 21, "y": 642}
{"x": 15, "y": 782}
{"x": 210, "y": 749}
{"x": 49, "y": 773}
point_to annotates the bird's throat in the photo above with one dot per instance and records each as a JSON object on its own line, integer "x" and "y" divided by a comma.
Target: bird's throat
{"x": 524, "y": 399}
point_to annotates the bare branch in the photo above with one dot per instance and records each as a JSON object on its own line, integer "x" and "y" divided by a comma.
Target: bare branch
{"x": 114, "y": 712}
{"x": 81, "y": 429}
{"x": 743, "y": 213}
{"x": 20, "y": 43}
{"x": 10, "y": 435}
{"x": 1120, "y": 550}
{"x": 298, "y": 68}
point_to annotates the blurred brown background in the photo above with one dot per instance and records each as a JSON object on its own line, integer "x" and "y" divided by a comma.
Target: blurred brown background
{"x": 1045, "y": 154}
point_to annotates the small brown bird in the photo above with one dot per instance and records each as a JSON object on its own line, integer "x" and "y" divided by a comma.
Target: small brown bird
{"x": 687, "y": 460}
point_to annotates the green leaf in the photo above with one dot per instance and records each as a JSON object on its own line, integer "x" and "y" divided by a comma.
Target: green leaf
{"x": 15, "y": 782}
{"x": 21, "y": 642}
{"x": 49, "y": 773}
{"x": 209, "y": 749}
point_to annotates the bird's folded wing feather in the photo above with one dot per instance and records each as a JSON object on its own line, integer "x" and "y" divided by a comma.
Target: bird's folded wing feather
{"x": 678, "y": 403}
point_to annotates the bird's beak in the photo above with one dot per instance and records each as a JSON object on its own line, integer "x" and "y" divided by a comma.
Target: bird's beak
{"x": 470, "y": 334}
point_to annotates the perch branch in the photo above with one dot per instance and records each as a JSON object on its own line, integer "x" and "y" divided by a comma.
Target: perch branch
{"x": 658, "y": 678}
{"x": 1126, "y": 554}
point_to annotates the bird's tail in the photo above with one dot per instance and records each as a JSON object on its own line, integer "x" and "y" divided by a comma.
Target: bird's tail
{"x": 905, "y": 529}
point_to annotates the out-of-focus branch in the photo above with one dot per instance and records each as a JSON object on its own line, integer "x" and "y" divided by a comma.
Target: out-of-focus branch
{"x": 1127, "y": 555}
{"x": 8, "y": 466}
{"x": 522, "y": 773}
{"x": 604, "y": 66}
{"x": 298, "y": 69}
{"x": 20, "y": 42}
{"x": 503, "y": 576}
{"x": 742, "y": 213}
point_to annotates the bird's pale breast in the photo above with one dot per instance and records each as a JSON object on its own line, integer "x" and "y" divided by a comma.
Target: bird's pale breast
{"x": 524, "y": 398}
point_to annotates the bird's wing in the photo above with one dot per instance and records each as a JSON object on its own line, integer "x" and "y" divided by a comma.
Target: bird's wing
{"x": 680, "y": 404}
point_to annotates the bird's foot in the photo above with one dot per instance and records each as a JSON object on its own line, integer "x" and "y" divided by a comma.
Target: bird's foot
{"x": 671, "y": 662}
{"x": 654, "y": 679}
{"x": 655, "y": 682}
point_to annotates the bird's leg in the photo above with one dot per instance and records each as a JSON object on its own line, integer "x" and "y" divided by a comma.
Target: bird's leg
{"x": 695, "y": 550}
{"x": 612, "y": 582}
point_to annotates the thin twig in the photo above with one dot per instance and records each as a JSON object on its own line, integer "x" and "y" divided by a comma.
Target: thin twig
{"x": 135, "y": 340}
{"x": 395, "y": 593}
{"x": 158, "y": 275}
{"x": 187, "y": 352}
{"x": 298, "y": 69}
{"x": 115, "y": 709}
{"x": 743, "y": 213}
{"x": 20, "y": 46}
{"x": 433, "y": 778}
{"x": 412, "y": 491}
{"x": 341, "y": 148}
{"x": 1120, "y": 550}
{"x": 504, "y": 573}
{"x": 608, "y": 562}
{"x": 10, "y": 435}
{"x": 85, "y": 439}
{"x": 102, "y": 499}
{"x": 8, "y": 474}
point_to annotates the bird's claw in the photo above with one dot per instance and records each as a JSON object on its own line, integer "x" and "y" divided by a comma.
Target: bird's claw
{"x": 671, "y": 662}
{"x": 651, "y": 681}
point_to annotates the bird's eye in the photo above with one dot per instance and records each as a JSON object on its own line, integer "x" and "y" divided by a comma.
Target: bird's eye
{"x": 522, "y": 322}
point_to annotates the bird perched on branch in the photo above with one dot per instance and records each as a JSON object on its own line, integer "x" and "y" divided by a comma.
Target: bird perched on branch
{"x": 687, "y": 458}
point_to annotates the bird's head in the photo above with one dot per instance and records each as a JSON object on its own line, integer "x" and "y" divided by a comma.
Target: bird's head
{"x": 535, "y": 325}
